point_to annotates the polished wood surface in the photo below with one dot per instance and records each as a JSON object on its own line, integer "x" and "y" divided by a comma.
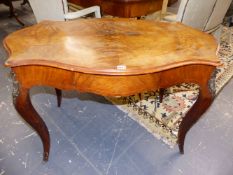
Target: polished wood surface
{"x": 111, "y": 46}
{"x": 163, "y": 54}
{"x": 124, "y": 8}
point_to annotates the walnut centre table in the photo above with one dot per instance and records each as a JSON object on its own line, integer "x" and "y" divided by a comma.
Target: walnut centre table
{"x": 110, "y": 57}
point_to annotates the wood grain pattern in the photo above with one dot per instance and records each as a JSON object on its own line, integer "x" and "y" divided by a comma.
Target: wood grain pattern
{"x": 155, "y": 55}
{"x": 103, "y": 46}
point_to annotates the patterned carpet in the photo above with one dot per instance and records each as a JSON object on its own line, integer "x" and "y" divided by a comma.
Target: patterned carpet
{"x": 163, "y": 119}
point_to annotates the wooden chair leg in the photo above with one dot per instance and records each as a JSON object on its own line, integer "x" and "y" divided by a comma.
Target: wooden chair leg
{"x": 25, "y": 2}
{"x": 59, "y": 96}
{"x": 12, "y": 12}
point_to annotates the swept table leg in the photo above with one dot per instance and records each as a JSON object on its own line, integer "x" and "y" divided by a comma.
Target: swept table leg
{"x": 204, "y": 100}
{"x": 59, "y": 96}
{"x": 24, "y": 106}
{"x": 161, "y": 94}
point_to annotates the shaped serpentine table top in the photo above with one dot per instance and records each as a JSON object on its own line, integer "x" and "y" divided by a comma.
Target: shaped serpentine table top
{"x": 111, "y": 46}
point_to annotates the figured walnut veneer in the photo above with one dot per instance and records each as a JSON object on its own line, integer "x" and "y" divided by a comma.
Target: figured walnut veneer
{"x": 100, "y": 45}
{"x": 110, "y": 57}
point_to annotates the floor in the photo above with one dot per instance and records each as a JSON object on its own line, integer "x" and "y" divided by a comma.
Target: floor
{"x": 89, "y": 136}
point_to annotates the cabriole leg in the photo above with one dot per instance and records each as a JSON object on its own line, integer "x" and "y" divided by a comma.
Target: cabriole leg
{"x": 24, "y": 107}
{"x": 204, "y": 100}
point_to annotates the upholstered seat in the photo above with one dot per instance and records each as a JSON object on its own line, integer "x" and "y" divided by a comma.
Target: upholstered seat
{"x": 205, "y": 15}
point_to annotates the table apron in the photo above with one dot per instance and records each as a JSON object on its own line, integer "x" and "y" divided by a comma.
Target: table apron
{"x": 111, "y": 85}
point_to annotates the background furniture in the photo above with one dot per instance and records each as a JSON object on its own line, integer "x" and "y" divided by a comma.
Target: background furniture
{"x": 124, "y": 8}
{"x": 58, "y": 10}
{"x": 205, "y": 15}
{"x": 25, "y": 2}
{"x": 110, "y": 57}
{"x": 12, "y": 11}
